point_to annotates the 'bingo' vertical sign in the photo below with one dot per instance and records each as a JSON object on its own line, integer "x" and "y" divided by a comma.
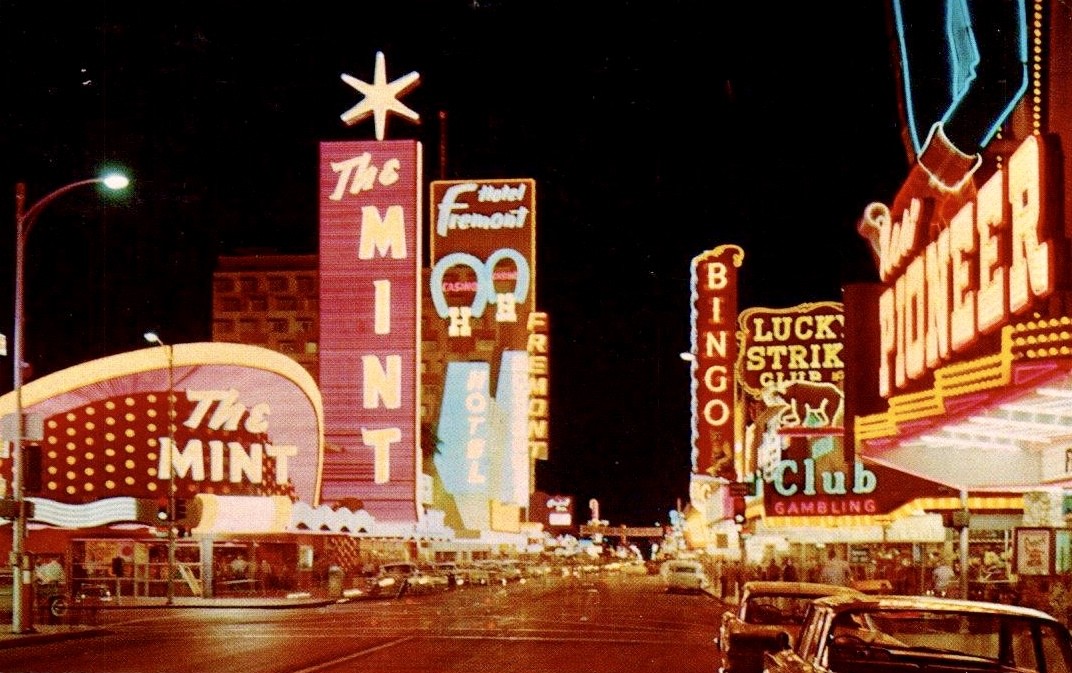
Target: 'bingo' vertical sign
{"x": 370, "y": 260}
{"x": 714, "y": 353}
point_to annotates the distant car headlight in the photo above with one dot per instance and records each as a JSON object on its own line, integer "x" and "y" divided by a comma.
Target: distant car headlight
{"x": 386, "y": 581}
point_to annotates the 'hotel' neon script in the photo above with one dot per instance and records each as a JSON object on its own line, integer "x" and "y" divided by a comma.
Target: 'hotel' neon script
{"x": 993, "y": 261}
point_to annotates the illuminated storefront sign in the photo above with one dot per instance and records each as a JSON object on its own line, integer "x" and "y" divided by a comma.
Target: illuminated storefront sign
{"x": 370, "y": 259}
{"x": 465, "y": 433}
{"x": 802, "y": 488}
{"x": 803, "y": 343}
{"x": 554, "y": 511}
{"x": 483, "y": 252}
{"x": 946, "y": 292}
{"x": 714, "y": 352}
{"x": 539, "y": 433}
{"x": 791, "y": 477}
{"x": 215, "y": 460}
{"x": 710, "y": 497}
{"x": 512, "y": 401}
{"x": 791, "y": 368}
{"x": 249, "y": 423}
{"x": 482, "y": 289}
{"x": 963, "y": 65}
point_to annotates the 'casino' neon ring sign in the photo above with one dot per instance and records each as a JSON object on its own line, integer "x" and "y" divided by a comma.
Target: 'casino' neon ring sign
{"x": 485, "y": 293}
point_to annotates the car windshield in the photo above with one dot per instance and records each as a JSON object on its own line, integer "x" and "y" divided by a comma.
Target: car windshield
{"x": 397, "y": 569}
{"x": 783, "y": 610}
{"x": 1006, "y": 639}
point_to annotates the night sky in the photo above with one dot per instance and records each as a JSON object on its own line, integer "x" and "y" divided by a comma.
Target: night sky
{"x": 655, "y": 130}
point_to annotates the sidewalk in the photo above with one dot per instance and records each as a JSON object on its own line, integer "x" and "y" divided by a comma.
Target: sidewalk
{"x": 46, "y": 633}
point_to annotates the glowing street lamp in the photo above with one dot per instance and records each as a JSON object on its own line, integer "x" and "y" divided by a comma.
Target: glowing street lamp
{"x": 154, "y": 338}
{"x": 25, "y": 218}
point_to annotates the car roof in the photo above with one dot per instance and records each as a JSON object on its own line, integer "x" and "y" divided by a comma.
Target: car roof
{"x": 846, "y": 602}
{"x": 773, "y": 588}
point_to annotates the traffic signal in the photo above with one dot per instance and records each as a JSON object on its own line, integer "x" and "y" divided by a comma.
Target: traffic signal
{"x": 180, "y": 510}
{"x": 162, "y": 513}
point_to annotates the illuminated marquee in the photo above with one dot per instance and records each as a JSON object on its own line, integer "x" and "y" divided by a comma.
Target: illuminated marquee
{"x": 714, "y": 351}
{"x": 559, "y": 510}
{"x": 791, "y": 478}
{"x": 512, "y": 481}
{"x": 803, "y": 488}
{"x": 216, "y": 460}
{"x": 539, "y": 434}
{"x": 484, "y": 256}
{"x": 370, "y": 258}
{"x": 465, "y": 433}
{"x": 248, "y": 423}
{"x": 779, "y": 346}
{"x": 995, "y": 260}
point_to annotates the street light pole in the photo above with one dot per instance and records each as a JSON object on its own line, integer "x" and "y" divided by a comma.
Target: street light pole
{"x": 154, "y": 338}
{"x": 24, "y": 221}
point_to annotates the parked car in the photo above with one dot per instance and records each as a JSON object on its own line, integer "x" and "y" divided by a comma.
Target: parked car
{"x": 431, "y": 578}
{"x": 873, "y": 586}
{"x": 896, "y": 634}
{"x": 510, "y": 570}
{"x": 535, "y": 569}
{"x": 394, "y": 579}
{"x": 449, "y": 569}
{"x": 768, "y": 618}
{"x": 89, "y": 594}
{"x": 475, "y": 575}
{"x": 995, "y": 585}
{"x": 500, "y": 571}
{"x": 684, "y": 575}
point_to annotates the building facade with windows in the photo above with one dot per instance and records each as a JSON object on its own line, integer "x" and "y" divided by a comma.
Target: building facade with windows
{"x": 270, "y": 301}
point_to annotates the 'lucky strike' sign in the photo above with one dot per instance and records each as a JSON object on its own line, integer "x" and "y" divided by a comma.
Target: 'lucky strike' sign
{"x": 714, "y": 351}
{"x": 803, "y": 343}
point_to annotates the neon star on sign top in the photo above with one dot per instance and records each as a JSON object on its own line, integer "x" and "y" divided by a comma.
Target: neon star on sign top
{"x": 381, "y": 97}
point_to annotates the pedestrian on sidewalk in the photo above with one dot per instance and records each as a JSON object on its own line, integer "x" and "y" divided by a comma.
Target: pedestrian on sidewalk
{"x": 836, "y": 569}
{"x": 789, "y": 571}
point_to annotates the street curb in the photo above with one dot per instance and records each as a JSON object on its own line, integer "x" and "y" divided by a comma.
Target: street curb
{"x": 11, "y": 640}
{"x": 224, "y": 606}
{"x": 212, "y": 605}
{"x": 22, "y": 640}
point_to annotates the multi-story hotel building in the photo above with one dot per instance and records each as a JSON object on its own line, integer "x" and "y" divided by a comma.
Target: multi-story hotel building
{"x": 270, "y": 301}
